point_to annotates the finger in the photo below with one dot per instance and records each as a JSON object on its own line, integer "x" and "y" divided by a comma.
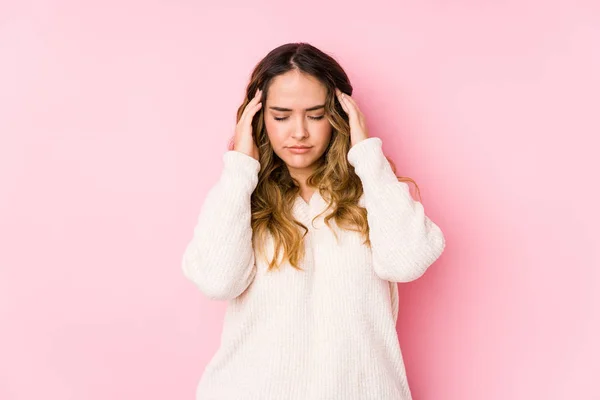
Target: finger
{"x": 352, "y": 101}
{"x": 358, "y": 114}
{"x": 350, "y": 105}
{"x": 344, "y": 106}
{"x": 255, "y": 110}
{"x": 341, "y": 100}
{"x": 251, "y": 103}
{"x": 252, "y": 111}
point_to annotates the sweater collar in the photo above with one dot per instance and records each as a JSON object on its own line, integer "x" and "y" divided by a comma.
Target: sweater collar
{"x": 307, "y": 211}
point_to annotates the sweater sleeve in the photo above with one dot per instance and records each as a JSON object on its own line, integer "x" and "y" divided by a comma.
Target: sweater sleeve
{"x": 219, "y": 259}
{"x": 404, "y": 241}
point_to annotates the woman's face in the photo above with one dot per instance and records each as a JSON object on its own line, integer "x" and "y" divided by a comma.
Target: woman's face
{"x": 294, "y": 113}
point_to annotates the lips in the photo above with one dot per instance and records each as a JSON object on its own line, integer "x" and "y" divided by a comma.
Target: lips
{"x": 298, "y": 150}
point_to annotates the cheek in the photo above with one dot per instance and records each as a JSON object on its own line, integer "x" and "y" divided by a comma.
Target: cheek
{"x": 274, "y": 131}
{"x": 324, "y": 131}
{"x": 326, "y": 128}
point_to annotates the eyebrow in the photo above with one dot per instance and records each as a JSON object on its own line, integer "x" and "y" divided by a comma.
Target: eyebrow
{"x": 289, "y": 109}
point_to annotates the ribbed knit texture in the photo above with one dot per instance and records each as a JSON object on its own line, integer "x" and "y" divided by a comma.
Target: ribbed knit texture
{"x": 327, "y": 332}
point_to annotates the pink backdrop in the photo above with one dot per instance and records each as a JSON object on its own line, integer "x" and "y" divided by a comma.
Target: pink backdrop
{"x": 114, "y": 116}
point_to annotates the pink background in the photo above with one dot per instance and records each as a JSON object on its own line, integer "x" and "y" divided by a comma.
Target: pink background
{"x": 114, "y": 117}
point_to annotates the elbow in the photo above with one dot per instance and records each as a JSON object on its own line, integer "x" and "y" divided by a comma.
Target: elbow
{"x": 214, "y": 289}
{"x": 219, "y": 292}
{"x": 212, "y": 281}
{"x": 410, "y": 262}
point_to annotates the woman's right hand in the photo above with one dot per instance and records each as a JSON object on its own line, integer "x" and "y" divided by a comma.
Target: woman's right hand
{"x": 243, "y": 140}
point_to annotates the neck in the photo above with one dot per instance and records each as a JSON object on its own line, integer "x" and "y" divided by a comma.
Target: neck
{"x": 300, "y": 175}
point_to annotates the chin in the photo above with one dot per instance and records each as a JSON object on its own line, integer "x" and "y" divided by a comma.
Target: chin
{"x": 299, "y": 162}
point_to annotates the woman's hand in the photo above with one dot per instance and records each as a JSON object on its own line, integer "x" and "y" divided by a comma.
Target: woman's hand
{"x": 358, "y": 126}
{"x": 243, "y": 140}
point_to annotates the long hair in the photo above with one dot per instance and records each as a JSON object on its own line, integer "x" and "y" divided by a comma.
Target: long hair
{"x": 276, "y": 190}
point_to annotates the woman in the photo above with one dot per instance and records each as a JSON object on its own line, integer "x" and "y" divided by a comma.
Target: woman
{"x": 305, "y": 234}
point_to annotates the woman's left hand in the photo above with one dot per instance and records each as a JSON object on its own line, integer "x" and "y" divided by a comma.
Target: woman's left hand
{"x": 358, "y": 126}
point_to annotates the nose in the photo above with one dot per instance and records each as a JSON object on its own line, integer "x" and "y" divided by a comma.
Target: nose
{"x": 299, "y": 129}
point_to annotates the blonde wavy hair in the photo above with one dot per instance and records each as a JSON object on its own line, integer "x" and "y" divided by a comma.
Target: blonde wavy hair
{"x": 276, "y": 191}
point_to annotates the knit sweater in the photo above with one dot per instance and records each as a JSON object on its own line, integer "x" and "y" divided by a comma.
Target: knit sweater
{"x": 329, "y": 331}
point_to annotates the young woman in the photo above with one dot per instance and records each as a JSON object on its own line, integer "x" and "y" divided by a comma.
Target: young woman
{"x": 305, "y": 234}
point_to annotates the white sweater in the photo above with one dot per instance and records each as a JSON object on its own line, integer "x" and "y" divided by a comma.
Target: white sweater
{"x": 328, "y": 332}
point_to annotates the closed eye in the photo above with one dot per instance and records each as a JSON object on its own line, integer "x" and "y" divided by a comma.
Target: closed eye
{"x": 313, "y": 118}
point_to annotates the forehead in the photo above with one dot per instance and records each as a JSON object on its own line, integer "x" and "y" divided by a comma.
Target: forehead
{"x": 296, "y": 90}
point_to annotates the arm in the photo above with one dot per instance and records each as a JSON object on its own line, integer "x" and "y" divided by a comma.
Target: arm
{"x": 404, "y": 241}
{"x": 219, "y": 259}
